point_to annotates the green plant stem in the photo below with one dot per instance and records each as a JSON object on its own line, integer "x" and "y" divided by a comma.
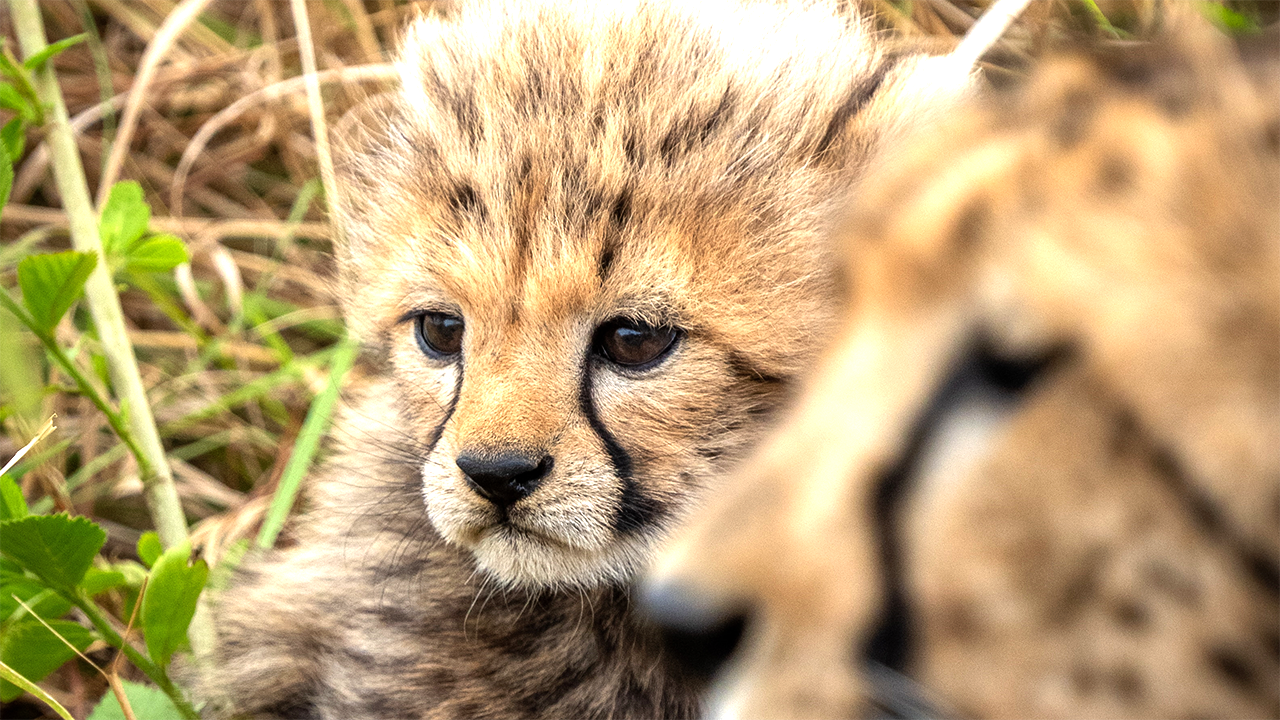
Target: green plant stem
{"x": 104, "y": 304}
{"x": 114, "y": 419}
{"x": 143, "y": 663}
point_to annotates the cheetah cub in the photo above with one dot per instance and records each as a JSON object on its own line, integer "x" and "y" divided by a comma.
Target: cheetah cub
{"x": 1094, "y": 533}
{"x": 588, "y": 239}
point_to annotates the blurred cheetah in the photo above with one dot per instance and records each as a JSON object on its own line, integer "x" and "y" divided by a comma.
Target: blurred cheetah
{"x": 1038, "y": 471}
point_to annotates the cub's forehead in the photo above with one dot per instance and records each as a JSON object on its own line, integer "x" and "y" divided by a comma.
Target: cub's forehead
{"x": 626, "y": 148}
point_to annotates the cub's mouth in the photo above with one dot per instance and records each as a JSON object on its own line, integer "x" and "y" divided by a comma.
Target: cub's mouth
{"x": 561, "y": 534}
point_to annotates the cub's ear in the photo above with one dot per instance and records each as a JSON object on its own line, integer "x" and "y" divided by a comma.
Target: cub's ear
{"x": 903, "y": 93}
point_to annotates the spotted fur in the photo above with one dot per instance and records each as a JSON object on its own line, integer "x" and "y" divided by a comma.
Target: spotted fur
{"x": 1095, "y": 538}
{"x": 545, "y": 168}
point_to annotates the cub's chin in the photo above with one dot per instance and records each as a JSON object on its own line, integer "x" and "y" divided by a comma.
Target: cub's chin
{"x": 519, "y": 558}
{"x": 532, "y": 547}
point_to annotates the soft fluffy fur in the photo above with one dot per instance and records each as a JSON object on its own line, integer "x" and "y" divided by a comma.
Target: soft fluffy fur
{"x": 1105, "y": 543}
{"x": 546, "y": 167}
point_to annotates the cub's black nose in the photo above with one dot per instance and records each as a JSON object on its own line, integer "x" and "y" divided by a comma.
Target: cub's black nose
{"x": 503, "y": 478}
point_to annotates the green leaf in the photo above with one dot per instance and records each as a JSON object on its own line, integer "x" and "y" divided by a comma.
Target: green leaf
{"x": 13, "y": 100}
{"x": 14, "y": 137}
{"x": 147, "y": 703}
{"x": 98, "y": 581}
{"x": 124, "y": 218}
{"x": 44, "y": 602}
{"x": 149, "y": 548}
{"x": 8, "y": 67}
{"x": 6, "y": 175}
{"x": 12, "y": 505}
{"x": 51, "y": 282}
{"x": 37, "y": 61}
{"x": 8, "y": 674}
{"x": 56, "y": 548}
{"x": 170, "y": 601}
{"x": 156, "y": 254}
{"x": 34, "y": 651}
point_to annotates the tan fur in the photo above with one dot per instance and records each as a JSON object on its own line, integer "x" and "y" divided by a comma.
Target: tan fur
{"x": 1110, "y": 548}
{"x": 548, "y": 167}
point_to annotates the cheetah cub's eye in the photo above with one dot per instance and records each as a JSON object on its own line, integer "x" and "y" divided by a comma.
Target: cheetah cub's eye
{"x": 634, "y": 345}
{"x": 439, "y": 334}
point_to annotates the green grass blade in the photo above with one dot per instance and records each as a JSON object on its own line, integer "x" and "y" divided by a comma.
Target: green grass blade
{"x": 304, "y": 450}
{"x": 12, "y": 676}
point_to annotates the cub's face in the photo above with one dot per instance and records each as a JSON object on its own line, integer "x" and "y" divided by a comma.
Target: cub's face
{"x": 571, "y": 404}
{"x": 588, "y": 239}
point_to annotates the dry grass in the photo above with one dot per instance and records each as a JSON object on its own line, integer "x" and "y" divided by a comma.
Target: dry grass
{"x": 234, "y": 349}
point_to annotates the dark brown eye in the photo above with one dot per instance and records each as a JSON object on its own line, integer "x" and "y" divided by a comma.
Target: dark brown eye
{"x": 634, "y": 344}
{"x": 439, "y": 334}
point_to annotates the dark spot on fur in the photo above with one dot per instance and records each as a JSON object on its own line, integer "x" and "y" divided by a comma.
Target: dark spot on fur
{"x": 1232, "y": 666}
{"x": 597, "y": 122}
{"x": 631, "y": 148}
{"x": 1169, "y": 580}
{"x": 1127, "y": 684}
{"x": 1271, "y": 136}
{"x": 295, "y": 707}
{"x": 620, "y": 213}
{"x": 1262, "y": 569}
{"x": 716, "y": 117}
{"x": 960, "y": 621}
{"x": 393, "y": 614}
{"x": 1270, "y": 638}
{"x": 694, "y": 128}
{"x": 1084, "y": 679}
{"x": 570, "y": 678}
{"x": 859, "y": 95}
{"x": 972, "y": 225}
{"x": 605, "y": 263}
{"x": 465, "y": 201}
{"x": 467, "y": 115}
{"x": 1075, "y": 119}
{"x": 1081, "y": 587}
{"x": 1131, "y": 615}
{"x": 535, "y": 90}
{"x": 1116, "y": 174}
{"x": 1124, "y": 435}
{"x": 441, "y": 680}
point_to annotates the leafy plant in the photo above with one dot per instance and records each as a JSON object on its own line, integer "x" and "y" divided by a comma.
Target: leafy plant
{"x": 51, "y": 566}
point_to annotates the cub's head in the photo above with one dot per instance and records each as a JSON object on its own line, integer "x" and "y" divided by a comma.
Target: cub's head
{"x": 587, "y": 236}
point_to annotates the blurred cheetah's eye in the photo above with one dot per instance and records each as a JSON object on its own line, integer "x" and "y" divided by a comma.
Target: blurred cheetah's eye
{"x": 633, "y": 344}
{"x": 439, "y": 334}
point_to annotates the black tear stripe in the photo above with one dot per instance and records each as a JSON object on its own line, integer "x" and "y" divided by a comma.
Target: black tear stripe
{"x": 465, "y": 202}
{"x": 636, "y": 510}
{"x": 977, "y": 369}
{"x": 438, "y": 431}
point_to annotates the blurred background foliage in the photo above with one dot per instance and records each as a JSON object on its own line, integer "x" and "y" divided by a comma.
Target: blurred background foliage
{"x": 234, "y": 346}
